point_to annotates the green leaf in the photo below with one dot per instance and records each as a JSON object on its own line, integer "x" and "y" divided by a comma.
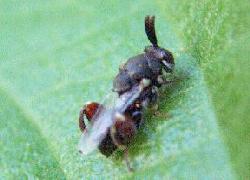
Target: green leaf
{"x": 55, "y": 56}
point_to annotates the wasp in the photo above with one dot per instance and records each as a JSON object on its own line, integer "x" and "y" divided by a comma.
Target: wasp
{"x": 113, "y": 125}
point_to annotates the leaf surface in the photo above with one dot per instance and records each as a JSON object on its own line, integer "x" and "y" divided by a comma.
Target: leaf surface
{"x": 56, "y": 56}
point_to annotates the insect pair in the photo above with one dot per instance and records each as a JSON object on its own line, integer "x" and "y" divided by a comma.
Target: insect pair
{"x": 114, "y": 124}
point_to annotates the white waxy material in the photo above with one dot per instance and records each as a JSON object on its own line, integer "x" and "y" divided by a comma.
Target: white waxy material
{"x": 144, "y": 83}
{"x": 104, "y": 119}
{"x": 119, "y": 116}
{"x": 88, "y": 102}
{"x": 90, "y": 140}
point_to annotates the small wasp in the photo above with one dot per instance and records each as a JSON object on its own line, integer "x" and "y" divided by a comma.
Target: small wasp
{"x": 113, "y": 125}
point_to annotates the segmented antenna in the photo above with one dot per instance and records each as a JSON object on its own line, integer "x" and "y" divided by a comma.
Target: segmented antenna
{"x": 150, "y": 30}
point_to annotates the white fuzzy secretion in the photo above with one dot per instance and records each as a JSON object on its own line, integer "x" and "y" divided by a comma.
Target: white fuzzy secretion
{"x": 91, "y": 138}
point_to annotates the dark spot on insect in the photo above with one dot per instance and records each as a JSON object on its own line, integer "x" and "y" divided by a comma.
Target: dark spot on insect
{"x": 107, "y": 147}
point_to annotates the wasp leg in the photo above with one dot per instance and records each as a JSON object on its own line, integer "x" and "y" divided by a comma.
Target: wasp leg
{"x": 137, "y": 117}
{"x": 144, "y": 83}
{"x": 154, "y": 98}
{"x": 88, "y": 110}
{"x": 82, "y": 124}
{"x": 130, "y": 169}
{"x": 168, "y": 82}
{"x": 151, "y": 101}
{"x": 163, "y": 115}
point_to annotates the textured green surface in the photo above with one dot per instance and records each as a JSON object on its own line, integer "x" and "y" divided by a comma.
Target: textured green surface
{"x": 217, "y": 34}
{"x": 57, "y": 55}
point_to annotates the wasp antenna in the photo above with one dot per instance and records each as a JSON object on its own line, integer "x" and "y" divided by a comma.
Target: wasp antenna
{"x": 150, "y": 30}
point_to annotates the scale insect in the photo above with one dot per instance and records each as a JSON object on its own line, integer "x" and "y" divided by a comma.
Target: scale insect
{"x": 115, "y": 122}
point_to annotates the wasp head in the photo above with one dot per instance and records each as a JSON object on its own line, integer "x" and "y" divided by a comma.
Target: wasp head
{"x": 154, "y": 51}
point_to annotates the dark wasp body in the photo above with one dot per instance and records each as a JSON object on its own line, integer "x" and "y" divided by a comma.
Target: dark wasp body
{"x": 144, "y": 70}
{"x": 148, "y": 65}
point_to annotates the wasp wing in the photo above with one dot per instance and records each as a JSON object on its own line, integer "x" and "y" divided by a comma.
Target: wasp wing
{"x": 103, "y": 119}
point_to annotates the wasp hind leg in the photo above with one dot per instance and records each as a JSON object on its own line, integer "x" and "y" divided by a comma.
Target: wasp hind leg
{"x": 82, "y": 124}
{"x": 88, "y": 110}
{"x": 125, "y": 156}
{"x": 151, "y": 100}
